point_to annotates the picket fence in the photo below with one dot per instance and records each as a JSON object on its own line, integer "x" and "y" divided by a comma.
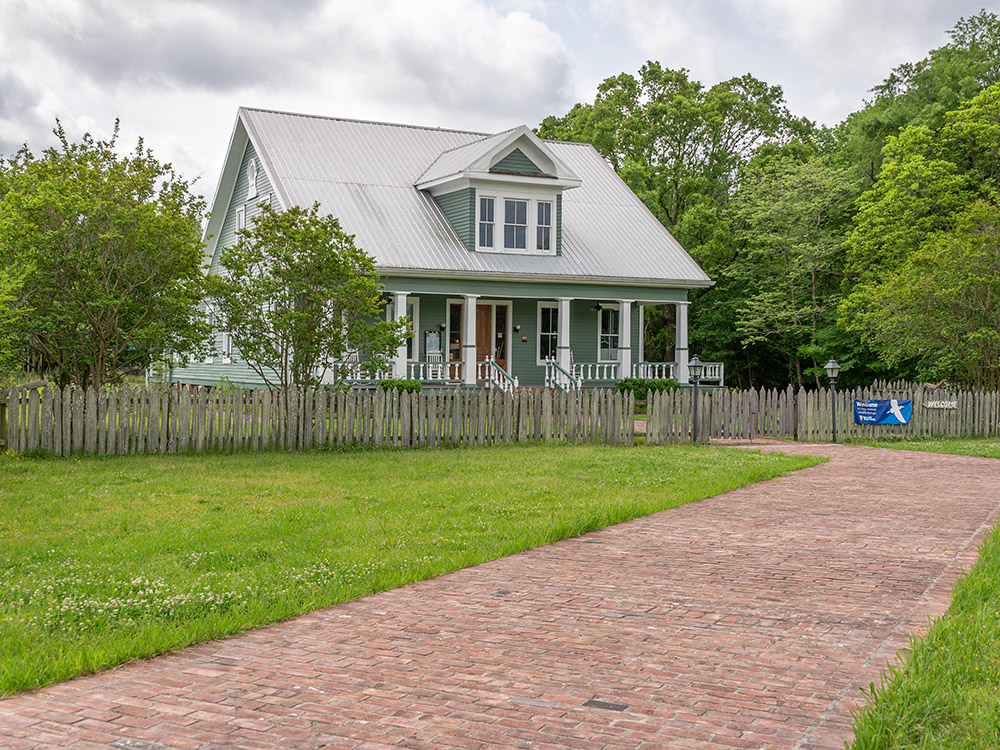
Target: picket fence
{"x": 808, "y": 416}
{"x": 175, "y": 419}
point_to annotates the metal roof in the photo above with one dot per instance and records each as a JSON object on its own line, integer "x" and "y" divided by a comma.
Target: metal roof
{"x": 364, "y": 173}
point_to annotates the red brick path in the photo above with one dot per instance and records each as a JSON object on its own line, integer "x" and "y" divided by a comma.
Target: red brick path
{"x": 750, "y": 620}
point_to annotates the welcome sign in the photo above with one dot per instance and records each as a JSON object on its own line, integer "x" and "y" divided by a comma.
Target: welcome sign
{"x": 882, "y": 411}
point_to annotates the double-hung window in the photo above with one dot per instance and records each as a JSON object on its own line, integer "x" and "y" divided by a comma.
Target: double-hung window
{"x": 607, "y": 341}
{"x": 544, "y": 226}
{"x": 515, "y": 224}
{"x": 548, "y": 330}
{"x": 487, "y": 209}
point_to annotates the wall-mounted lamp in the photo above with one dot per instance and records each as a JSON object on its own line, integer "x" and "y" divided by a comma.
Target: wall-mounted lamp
{"x": 517, "y": 329}
{"x": 443, "y": 326}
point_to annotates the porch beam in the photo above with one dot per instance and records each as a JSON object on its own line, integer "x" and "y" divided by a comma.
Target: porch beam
{"x": 681, "y": 342}
{"x": 469, "y": 339}
{"x": 624, "y": 338}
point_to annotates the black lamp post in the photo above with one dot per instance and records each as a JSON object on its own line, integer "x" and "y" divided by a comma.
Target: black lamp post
{"x": 695, "y": 369}
{"x": 832, "y": 370}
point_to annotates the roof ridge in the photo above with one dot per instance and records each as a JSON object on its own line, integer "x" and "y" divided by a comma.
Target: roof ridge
{"x": 372, "y": 122}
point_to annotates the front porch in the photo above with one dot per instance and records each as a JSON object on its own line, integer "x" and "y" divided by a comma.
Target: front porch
{"x": 520, "y": 341}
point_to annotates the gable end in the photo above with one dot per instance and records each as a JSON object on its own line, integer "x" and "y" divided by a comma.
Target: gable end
{"x": 516, "y": 163}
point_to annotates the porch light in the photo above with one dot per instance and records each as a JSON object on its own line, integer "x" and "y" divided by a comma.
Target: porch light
{"x": 443, "y": 326}
{"x": 832, "y": 370}
{"x": 696, "y": 368}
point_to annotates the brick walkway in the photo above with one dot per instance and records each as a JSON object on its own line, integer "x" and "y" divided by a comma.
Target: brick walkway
{"x": 749, "y": 620}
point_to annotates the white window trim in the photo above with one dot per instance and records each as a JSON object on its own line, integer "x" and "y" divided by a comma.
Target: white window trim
{"x": 618, "y": 333}
{"x": 252, "y": 173}
{"x": 241, "y": 218}
{"x": 499, "y": 219}
{"x": 210, "y": 356}
{"x": 550, "y": 226}
{"x": 480, "y": 222}
{"x": 390, "y": 308}
{"x": 494, "y": 303}
{"x": 538, "y": 330}
{"x": 227, "y": 347}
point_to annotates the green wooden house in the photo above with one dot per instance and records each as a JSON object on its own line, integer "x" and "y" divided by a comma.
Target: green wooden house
{"x": 519, "y": 262}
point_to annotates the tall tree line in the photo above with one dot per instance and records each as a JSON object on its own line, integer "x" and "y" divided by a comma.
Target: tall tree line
{"x": 870, "y": 242}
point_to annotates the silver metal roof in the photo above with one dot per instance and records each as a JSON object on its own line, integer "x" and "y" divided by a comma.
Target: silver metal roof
{"x": 364, "y": 173}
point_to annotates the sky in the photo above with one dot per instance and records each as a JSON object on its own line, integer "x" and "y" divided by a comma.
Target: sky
{"x": 175, "y": 71}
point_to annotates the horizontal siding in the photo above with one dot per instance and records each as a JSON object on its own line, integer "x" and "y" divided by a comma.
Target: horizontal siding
{"x": 516, "y": 161}
{"x": 459, "y": 208}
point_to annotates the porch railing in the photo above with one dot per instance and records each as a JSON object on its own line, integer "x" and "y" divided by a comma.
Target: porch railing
{"x": 653, "y": 370}
{"x": 353, "y": 371}
{"x": 557, "y": 377}
{"x": 589, "y": 372}
{"x": 495, "y": 376}
{"x": 435, "y": 372}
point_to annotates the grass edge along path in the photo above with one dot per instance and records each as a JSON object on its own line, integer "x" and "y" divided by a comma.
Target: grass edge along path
{"x": 107, "y": 560}
{"x": 944, "y": 690}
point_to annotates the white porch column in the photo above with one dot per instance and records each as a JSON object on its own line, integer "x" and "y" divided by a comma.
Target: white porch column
{"x": 399, "y": 362}
{"x": 563, "y": 350}
{"x": 681, "y": 342}
{"x": 469, "y": 339}
{"x": 624, "y": 338}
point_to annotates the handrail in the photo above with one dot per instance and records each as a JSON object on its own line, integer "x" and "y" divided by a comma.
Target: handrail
{"x": 495, "y": 376}
{"x": 653, "y": 370}
{"x": 558, "y": 377}
{"x": 596, "y": 371}
{"x": 355, "y": 371}
{"x": 435, "y": 372}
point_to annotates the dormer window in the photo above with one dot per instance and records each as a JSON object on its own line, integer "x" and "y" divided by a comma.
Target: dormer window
{"x": 515, "y": 224}
{"x": 487, "y": 210}
{"x": 544, "y": 227}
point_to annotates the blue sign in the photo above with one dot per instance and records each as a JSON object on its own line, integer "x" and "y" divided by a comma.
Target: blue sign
{"x": 882, "y": 411}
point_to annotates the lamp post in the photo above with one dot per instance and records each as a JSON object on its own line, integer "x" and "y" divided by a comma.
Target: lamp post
{"x": 832, "y": 370}
{"x": 695, "y": 368}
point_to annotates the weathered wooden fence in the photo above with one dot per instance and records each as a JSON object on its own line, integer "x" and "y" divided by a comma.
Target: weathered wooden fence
{"x": 127, "y": 420}
{"x": 807, "y": 416}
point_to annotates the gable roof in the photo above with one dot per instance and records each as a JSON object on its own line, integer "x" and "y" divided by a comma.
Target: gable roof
{"x": 365, "y": 173}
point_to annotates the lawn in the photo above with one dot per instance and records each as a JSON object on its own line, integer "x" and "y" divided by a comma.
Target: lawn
{"x": 104, "y": 560}
{"x": 947, "y": 693}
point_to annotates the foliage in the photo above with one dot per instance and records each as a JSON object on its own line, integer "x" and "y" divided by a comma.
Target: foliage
{"x": 109, "y": 559}
{"x": 641, "y": 387}
{"x": 298, "y": 295}
{"x": 12, "y": 349}
{"x": 403, "y": 385}
{"x": 111, "y": 254}
{"x": 922, "y": 249}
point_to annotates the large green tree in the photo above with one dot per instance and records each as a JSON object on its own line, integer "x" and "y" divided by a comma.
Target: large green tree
{"x": 297, "y": 294}
{"x": 932, "y": 208}
{"x": 110, "y": 251}
{"x": 12, "y": 349}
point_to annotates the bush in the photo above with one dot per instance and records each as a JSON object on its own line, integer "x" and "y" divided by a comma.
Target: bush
{"x": 400, "y": 384}
{"x": 641, "y": 387}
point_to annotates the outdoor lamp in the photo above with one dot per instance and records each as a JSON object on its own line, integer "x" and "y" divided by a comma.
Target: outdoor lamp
{"x": 695, "y": 368}
{"x": 443, "y": 326}
{"x": 832, "y": 370}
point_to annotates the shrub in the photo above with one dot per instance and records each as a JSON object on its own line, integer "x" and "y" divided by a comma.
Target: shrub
{"x": 400, "y": 384}
{"x": 640, "y": 387}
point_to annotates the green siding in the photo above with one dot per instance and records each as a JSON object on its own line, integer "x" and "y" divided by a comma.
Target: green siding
{"x": 516, "y": 161}
{"x": 460, "y": 210}
{"x": 237, "y": 371}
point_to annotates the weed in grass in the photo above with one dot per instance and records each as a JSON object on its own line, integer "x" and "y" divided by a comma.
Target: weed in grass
{"x": 109, "y": 559}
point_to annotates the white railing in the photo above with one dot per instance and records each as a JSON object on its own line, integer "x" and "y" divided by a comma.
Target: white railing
{"x": 353, "y": 371}
{"x": 653, "y": 370}
{"x": 435, "y": 372}
{"x": 495, "y": 376}
{"x": 596, "y": 371}
{"x": 557, "y": 377}
{"x": 714, "y": 371}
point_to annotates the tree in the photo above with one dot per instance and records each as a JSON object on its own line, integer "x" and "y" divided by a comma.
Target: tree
{"x": 298, "y": 295}
{"x": 110, "y": 251}
{"x": 12, "y": 349}
{"x": 930, "y": 209}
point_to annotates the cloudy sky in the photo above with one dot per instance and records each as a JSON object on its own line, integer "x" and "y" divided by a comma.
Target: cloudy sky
{"x": 175, "y": 71}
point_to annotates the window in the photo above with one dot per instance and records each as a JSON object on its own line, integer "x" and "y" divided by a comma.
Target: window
{"x": 487, "y": 207}
{"x": 607, "y": 344}
{"x": 241, "y": 218}
{"x": 548, "y": 330}
{"x": 454, "y": 331}
{"x": 544, "y": 226}
{"x": 515, "y": 226}
{"x": 210, "y": 357}
{"x": 251, "y": 179}
{"x": 227, "y": 348}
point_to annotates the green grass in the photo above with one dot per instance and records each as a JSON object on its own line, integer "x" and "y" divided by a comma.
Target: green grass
{"x": 984, "y": 447}
{"x": 946, "y": 692}
{"x": 103, "y": 560}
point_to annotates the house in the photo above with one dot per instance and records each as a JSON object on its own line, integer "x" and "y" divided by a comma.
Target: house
{"x": 518, "y": 261}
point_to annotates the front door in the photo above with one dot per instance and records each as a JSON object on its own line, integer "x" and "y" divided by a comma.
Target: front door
{"x": 491, "y": 333}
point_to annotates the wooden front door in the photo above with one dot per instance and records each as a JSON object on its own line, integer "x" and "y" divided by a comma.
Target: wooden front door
{"x": 491, "y": 333}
